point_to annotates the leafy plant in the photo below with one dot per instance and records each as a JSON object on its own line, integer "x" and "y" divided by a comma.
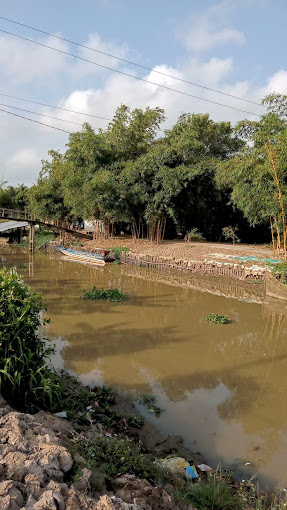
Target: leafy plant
{"x": 107, "y": 295}
{"x": 148, "y": 400}
{"x": 279, "y": 270}
{"x": 41, "y": 239}
{"x": 136, "y": 421}
{"x": 25, "y": 377}
{"x": 194, "y": 235}
{"x": 230, "y": 233}
{"x": 217, "y": 319}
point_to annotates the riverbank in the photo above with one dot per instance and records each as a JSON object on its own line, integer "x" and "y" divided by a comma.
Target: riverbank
{"x": 50, "y": 463}
{"x": 221, "y": 259}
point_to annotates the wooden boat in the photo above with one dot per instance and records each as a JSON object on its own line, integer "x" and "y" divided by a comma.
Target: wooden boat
{"x": 83, "y": 256}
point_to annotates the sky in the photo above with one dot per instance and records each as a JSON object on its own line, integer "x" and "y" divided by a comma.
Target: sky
{"x": 234, "y": 46}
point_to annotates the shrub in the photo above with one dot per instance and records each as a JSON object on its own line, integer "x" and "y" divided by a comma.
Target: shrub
{"x": 107, "y": 295}
{"x": 25, "y": 378}
{"x": 117, "y": 251}
{"x": 279, "y": 270}
{"x": 217, "y": 319}
{"x": 194, "y": 235}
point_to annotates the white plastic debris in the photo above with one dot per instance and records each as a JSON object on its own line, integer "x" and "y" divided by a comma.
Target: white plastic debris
{"x": 204, "y": 467}
{"x": 61, "y": 414}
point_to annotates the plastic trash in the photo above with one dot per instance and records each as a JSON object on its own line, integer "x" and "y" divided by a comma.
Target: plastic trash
{"x": 204, "y": 468}
{"x": 191, "y": 471}
{"x": 61, "y": 414}
{"x": 175, "y": 463}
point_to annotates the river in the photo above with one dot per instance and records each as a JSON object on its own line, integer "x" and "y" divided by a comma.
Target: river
{"x": 223, "y": 388}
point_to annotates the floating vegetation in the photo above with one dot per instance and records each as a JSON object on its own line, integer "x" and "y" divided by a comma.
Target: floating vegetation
{"x": 106, "y": 295}
{"x": 148, "y": 400}
{"x": 22, "y": 265}
{"x": 217, "y": 319}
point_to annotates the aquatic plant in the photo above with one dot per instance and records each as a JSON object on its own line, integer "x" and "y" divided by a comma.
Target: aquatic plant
{"x": 217, "y": 319}
{"x": 26, "y": 379}
{"x": 22, "y": 265}
{"x": 148, "y": 400}
{"x": 107, "y": 295}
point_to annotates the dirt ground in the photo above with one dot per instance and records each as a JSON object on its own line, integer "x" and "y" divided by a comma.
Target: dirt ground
{"x": 180, "y": 250}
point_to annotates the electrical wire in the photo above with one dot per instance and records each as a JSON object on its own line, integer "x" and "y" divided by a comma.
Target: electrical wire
{"x": 36, "y": 121}
{"x": 129, "y": 75}
{"x": 41, "y": 114}
{"x": 131, "y": 62}
{"x": 55, "y": 107}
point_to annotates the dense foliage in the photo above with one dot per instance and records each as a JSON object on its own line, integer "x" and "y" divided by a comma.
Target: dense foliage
{"x": 217, "y": 319}
{"x": 25, "y": 378}
{"x": 199, "y": 176}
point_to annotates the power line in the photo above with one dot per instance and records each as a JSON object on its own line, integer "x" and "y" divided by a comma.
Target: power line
{"x": 132, "y": 63}
{"x": 129, "y": 75}
{"x": 55, "y": 107}
{"x": 36, "y": 121}
{"x": 41, "y": 114}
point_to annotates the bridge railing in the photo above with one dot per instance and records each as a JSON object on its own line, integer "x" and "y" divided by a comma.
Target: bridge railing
{"x": 15, "y": 214}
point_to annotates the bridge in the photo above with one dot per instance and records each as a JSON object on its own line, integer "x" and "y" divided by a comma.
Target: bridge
{"x": 26, "y": 216}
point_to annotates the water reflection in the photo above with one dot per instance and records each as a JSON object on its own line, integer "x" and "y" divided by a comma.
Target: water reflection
{"x": 224, "y": 387}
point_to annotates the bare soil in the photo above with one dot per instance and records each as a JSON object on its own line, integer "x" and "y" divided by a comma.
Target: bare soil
{"x": 180, "y": 250}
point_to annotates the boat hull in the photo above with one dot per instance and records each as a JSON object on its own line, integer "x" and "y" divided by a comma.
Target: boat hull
{"x": 82, "y": 256}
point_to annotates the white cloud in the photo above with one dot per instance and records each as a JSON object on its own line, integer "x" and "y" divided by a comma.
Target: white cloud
{"x": 24, "y": 144}
{"x": 20, "y": 165}
{"x": 208, "y": 30}
{"x": 23, "y": 62}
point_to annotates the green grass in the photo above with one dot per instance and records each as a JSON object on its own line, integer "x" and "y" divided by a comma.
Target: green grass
{"x": 119, "y": 456}
{"x": 214, "y": 493}
{"x": 107, "y": 295}
{"x": 217, "y": 319}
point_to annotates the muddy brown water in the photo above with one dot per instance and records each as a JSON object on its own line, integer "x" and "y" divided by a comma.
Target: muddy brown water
{"x": 223, "y": 388}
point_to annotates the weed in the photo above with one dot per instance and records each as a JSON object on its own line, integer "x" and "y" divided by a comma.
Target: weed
{"x": 148, "y": 400}
{"x": 119, "y": 456}
{"x": 22, "y": 265}
{"x": 213, "y": 493}
{"x": 136, "y": 421}
{"x": 217, "y": 319}
{"x": 107, "y": 295}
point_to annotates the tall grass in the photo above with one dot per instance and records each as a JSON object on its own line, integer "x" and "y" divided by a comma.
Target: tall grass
{"x": 26, "y": 380}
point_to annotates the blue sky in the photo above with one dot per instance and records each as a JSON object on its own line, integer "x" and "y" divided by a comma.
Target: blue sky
{"x": 237, "y": 46}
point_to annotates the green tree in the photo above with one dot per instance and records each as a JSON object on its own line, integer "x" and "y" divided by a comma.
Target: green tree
{"x": 257, "y": 175}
